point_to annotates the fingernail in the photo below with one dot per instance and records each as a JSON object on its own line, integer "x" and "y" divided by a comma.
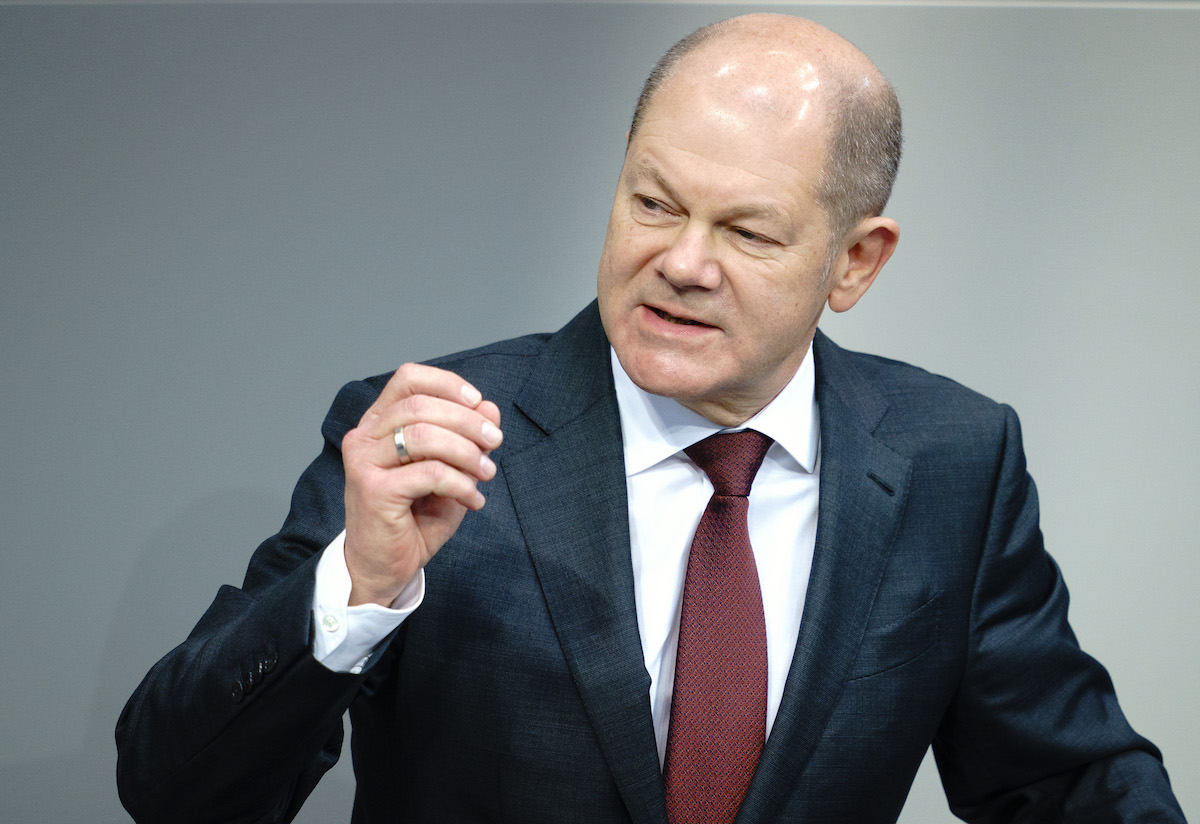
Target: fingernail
{"x": 471, "y": 395}
{"x": 492, "y": 434}
{"x": 487, "y": 466}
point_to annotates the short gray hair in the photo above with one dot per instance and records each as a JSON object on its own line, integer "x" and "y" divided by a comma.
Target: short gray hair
{"x": 864, "y": 142}
{"x": 863, "y": 153}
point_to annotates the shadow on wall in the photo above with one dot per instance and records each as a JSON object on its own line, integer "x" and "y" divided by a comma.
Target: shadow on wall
{"x": 179, "y": 569}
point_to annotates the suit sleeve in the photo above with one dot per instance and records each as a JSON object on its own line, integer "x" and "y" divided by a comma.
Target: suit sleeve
{"x": 240, "y": 721}
{"x": 1035, "y": 733}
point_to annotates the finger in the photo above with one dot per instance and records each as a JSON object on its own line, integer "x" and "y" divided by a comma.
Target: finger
{"x": 478, "y": 425}
{"x": 421, "y": 479}
{"x": 420, "y": 379}
{"x": 490, "y": 411}
{"x": 424, "y": 441}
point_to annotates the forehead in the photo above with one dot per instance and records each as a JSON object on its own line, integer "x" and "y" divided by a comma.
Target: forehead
{"x": 734, "y": 150}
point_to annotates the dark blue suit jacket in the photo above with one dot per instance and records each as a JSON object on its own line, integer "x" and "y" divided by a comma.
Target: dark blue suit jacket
{"x": 517, "y": 692}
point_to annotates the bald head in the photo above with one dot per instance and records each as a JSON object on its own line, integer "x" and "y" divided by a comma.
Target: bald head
{"x": 785, "y": 72}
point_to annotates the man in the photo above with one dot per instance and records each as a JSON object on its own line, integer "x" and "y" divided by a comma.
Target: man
{"x": 533, "y": 655}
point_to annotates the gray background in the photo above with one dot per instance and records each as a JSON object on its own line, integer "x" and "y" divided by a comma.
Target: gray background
{"x": 212, "y": 216}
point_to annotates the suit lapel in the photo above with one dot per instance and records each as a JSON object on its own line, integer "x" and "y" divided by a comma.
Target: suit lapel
{"x": 864, "y": 488}
{"x": 568, "y": 491}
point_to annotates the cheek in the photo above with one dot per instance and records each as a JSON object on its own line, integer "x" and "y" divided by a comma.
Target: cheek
{"x": 778, "y": 318}
{"x": 614, "y": 286}
{"x": 627, "y": 251}
{"x": 611, "y": 274}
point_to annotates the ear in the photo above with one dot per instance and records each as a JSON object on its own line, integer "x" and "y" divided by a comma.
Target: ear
{"x": 865, "y": 249}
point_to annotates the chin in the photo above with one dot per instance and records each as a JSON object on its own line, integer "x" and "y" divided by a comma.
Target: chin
{"x": 681, "y": 382}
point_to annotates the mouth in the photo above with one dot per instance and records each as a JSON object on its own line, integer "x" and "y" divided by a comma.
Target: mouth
{"x": 681, "y": 321}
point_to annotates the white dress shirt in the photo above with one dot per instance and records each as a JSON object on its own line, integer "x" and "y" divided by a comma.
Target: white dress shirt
{"x": 667, "y": 495}
{"x": 660, "y": 479}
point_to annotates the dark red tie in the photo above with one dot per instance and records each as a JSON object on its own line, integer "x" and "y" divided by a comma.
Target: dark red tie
{"x": 719, "y": 706}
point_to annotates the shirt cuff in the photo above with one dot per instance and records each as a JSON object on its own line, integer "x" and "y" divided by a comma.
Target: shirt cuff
{"x": 345, "y": 635}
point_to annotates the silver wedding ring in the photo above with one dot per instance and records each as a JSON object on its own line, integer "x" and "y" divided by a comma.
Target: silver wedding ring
{"x": 398, "y": 439}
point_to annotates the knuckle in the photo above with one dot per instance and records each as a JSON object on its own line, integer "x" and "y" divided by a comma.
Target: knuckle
{"x": 368, "y": 417}
{"x": 353, "y": 441}
{"x": 416, "y": 405}
{"x": 417, "y": 433}
{"x": 434, "y": 472}
{"x": 406, "y": 372}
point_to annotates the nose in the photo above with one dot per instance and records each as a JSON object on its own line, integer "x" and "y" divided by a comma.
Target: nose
{"x": 690, "y": 261}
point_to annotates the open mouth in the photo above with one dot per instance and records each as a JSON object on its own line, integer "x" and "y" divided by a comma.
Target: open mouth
{"x": 672, "y": 319}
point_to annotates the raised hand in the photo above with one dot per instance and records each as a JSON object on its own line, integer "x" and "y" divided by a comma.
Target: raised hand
{"x": 401, "y": 509}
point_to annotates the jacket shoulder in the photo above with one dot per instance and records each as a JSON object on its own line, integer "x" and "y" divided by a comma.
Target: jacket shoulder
{"x": 912, "y": 409}
{"x": 861, "y": 376}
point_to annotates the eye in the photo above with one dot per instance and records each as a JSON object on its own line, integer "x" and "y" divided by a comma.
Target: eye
{"x": 650, "y": 204}
{"x": 651, "y": 211}
{"x": 751, "y": 237}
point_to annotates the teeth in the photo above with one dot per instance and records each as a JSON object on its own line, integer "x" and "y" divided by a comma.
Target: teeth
{"x": 673, "y": 319}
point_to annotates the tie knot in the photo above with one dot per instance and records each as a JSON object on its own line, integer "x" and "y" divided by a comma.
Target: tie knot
{"x": 731, "y": 459}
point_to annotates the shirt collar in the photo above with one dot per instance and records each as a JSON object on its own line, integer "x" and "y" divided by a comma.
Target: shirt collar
{"x": 655, "y": 427}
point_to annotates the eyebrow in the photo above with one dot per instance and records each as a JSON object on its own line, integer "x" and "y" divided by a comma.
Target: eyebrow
{"x": 643, "y": 169}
